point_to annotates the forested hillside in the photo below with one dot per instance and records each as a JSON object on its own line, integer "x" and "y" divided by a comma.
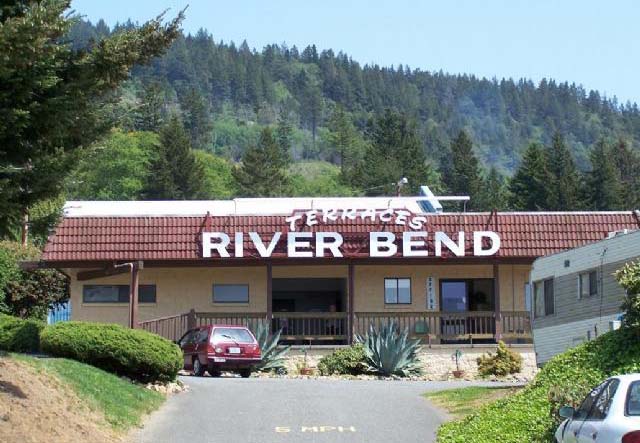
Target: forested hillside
{"x": 228, "y": 90}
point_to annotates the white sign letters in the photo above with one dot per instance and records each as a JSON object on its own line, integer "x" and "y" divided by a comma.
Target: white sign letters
{"x": 328, "y": 244}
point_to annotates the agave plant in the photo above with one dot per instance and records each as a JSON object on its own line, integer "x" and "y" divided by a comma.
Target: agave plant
{"x": 389, "y": 351}
{"x": 273, "y": 357}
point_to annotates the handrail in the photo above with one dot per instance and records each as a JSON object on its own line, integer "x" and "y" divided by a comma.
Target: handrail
{"x": 309, "y": 315}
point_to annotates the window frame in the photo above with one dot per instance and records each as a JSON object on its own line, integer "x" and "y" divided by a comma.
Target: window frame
{"x": 242, "y": 302}
{"x": 397, "y": 302}
{"x": 628, "y": 396}
{"x": 542, "y": 284}
{"x": 592, "y": 281}
{"x": 121, "y": 290}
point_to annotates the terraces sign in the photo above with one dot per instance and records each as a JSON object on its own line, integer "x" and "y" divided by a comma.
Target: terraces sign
{"x": 328, "y": 244}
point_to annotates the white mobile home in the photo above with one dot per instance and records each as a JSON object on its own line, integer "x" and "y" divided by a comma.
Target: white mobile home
{"x": 575, "y": 294}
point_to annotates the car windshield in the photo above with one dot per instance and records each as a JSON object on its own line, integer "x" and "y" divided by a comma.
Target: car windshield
{"x": 233, "y": 334}
{"x": 633, "y": 399}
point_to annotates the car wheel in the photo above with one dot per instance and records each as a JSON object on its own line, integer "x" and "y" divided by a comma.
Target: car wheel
{"x": 198, "y": 369}
{"x": 245, "y": 373}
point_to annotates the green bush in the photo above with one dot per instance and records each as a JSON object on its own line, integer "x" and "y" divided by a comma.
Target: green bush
{"x": 503, "y": 362}
{"x": 28, "y": 294}
{"x": 349, "y": 360}
{"x": 19, "y": 335}
{"x": 531, "y": 414}
{"x": 389, "y": 351}
{"x": 136, "y": 354}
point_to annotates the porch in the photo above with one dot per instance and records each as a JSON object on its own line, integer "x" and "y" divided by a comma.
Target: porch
{"x": 340, "y": 328}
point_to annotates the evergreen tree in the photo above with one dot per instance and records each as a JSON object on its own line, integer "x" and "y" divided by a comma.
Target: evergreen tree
{"x": 197, "y": 118}
{"x": 283, "y": 138}
{"x": 150, "y": 113}
{"x": 604, "y": 190}
{"x": 530, "y": 184}
{"x": 627, "y": 164}
{"x": 53, "y": 97}
{"x": 261, "y": 173}
{"x": 175, "y": 173}
{"x": 494, "y": 193}
{"x": 394, "y": 152}
{"x": 463, "y": 174}
{"x": 344, "y": 139}
{"x": 565, "y": 179}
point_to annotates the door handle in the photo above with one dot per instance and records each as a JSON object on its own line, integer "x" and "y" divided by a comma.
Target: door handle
{"x": 594, "y": 435}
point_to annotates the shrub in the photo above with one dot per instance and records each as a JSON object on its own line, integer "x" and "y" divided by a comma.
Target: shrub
{"x": 349, "y": 360}
{"x": 28, "y": 294}
{"x": 629, "y": 278}
{"x": 19, "y": 335}
{"x": 390, "y": 352}
{"x": 504, "y": 362}
{"x": 531, "y": 414}
{"x": 273, "y": 356}
{"x": 134, "y": 353}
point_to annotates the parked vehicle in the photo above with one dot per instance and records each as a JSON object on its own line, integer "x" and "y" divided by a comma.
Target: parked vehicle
{"x": 218, "y": 348}
{"x": 609, "y": 414}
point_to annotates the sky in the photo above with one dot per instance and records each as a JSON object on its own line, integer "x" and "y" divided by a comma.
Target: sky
{"x": 594, "y": 43}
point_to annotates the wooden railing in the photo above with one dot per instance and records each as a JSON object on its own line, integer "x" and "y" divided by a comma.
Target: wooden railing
{"x": 311, "y": 326}
{"x": 516, "y": 324}
{"x": 249, "y": 319}
{"x": 470, "y": 325}
{"x": 333, "y": 326}
{"x": 172, "y": 327}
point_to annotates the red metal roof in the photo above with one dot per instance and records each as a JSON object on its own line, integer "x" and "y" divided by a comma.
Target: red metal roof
{"x": 523, "y": 235}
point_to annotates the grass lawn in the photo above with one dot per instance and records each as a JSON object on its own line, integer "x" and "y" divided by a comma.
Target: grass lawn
{"x": 122, "y": 402}
{"x": 463, "y": 401}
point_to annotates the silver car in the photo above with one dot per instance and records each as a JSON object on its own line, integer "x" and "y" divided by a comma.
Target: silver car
{"x": 609, "y": 414}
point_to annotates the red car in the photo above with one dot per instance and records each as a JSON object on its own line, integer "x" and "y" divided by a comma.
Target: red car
{"x": 218, "y": 348}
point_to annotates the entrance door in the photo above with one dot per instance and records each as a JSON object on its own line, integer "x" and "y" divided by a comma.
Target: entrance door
{"x": 454, "y": 300}
{"x": 454, "y": 296}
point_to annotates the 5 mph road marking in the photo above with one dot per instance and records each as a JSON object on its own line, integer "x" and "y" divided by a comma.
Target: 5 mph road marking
{"x": 312, "y": 429}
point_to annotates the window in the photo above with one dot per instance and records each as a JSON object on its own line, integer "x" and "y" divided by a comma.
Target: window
{"x": 588, "y": 403}
{"x": 543, "y": 299}
{"x": 117, "y": 294}
{"x": 588, "y": 282}
{"x": 233, "y": 334}
{"x": 231, "y": 293}
{"x": 397, "y": 291}
{"x": 603, "y": 402}
{"x": 549, "y": 300}
{"x": 633, "y": 399}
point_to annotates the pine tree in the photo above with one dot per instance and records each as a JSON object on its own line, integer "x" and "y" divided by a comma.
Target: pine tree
{"x": 604, "y": 190}
{"x": 565, "y": 179}
{"x": 261, "y": 173}
{"x": 463, "y": 175}
{"x": 343, "y": 139}
{"x": 530, "y": 184}
{"x": 627, "y": 164}
{"x": 54, "y": 97}
{"x": 175, "y": 174}
{"x": 283, "y": 137}
{"x": 150, "y": 115}
{"x": 394, "y": 152}
{"x": 197, "y": 118}
{"x": 494, "y": 193}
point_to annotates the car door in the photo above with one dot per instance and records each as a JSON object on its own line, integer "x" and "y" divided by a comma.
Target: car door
{"x": 593, "y": 425}
{"x": 575, "y": 425}
{"x": 186, "y": 343}
{"x": 200, "y": 346}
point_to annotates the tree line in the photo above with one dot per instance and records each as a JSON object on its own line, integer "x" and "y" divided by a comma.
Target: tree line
{"x": 227, "y": 91}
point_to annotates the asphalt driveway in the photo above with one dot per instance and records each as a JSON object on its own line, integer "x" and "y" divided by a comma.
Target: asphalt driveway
{"x": 262, "y": 410}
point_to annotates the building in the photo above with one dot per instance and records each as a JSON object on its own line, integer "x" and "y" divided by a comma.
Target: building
{"x": 320, "y": 269}
{"x": 576, "y": 296}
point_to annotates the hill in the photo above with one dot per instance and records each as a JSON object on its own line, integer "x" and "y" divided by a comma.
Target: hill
{"x": 226, "y": 92}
